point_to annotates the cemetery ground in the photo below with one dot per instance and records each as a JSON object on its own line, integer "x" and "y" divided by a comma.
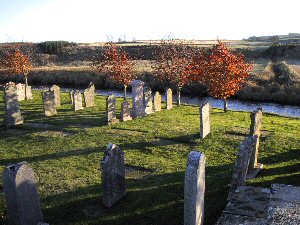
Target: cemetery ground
{"x": 65, "y": 152}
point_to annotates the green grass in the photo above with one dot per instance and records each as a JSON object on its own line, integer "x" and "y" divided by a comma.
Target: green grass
{"x": 66, "y": 152}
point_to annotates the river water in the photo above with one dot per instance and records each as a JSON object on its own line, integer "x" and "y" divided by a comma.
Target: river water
{"x": 236, "y": 105}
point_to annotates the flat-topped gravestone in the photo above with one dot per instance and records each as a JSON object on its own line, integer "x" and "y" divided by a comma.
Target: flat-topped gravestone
{"x": 20, "y": 91}
{"x": 113, "y": 175}
{"x": 56, "y": 90}
{"x": 194, "y": 189}
{"x": 28, "y": 93}
{"x": 77, "y": 101}
{"x": 242, "y": 164}
{"x": 21, "y": 195}
{"x": 125, "y": 111}
{"x": 169, "y": 99}
{"x": 111, "y": 110}
{"x": 89, "y": 95}
{"x": 148, "y": 100}
{"x": 11, "y": 105}
{"x": 138, "y": 109}
{"x": 256, "y": 122}
{"x": 49, "y": 103}
{"x": 204, "y": 120}
{"x": 157, "y": 102}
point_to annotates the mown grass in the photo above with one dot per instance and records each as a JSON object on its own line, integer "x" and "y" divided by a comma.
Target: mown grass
{"x": 65, "y": 153}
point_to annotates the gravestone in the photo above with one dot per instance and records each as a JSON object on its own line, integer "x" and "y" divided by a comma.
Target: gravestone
{"x": 77, "y": 100}
{"x": 256, "y": 122}
{"x": 56, "y": 91}
{"x": 125, "y": 111}
{"x": 71, "y": 94}
{"x": 138, "y": 109}
{"x": 169, "y": 100}
{"x": 194, "y": 189}
{"x": 157, "y": 102}
{"x": 242, "y": 164}
{"x": 49, "y": 103}
{"x": 21, "y": 195}
{"x": 28, "y": 94}
{"x": 113, "y": 175}
{"x": 11, "y": 105}
{"x": 148, "y": 100}
{"x": 254, "y": 167}
{"x": 89, "y": 95}
{"x": 20, "y": 91}
{"x": 111, "y": 110}
{"x": 204, "y": 120}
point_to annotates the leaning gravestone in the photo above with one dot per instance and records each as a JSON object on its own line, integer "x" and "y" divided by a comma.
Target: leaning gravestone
{"x": 194, "y": 189}
{"x": 113, "y": 175}
{"x": 254, "y": 167}
{"x": 204, "y": 120}
{"x": 169, "y": 100}
{"x": 242, "y": 164}
{"x": 89, "y": 95}
{"x": 111, "y": 110}
{"x": 11, "y": 105}
{"x": 77, "y": 101}
{"x": 125, "y": 111}
{"x": 56, "y": 90}
{"x": 49, "y": 103}
{"x": 148, "y": 100}
{"x": 157, "y": 102}
{"x": 21, "y": 195}
{"x": 138, "y": 109}
{"x": 256, "y": 122}
{"x": 20, "y": 91}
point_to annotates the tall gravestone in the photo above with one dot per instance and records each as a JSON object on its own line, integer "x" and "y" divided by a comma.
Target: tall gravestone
{"x": 20, "y": 91}
{"x": 125, "y": 111}
{"x": 194, "y": 189}
{"x": 242, "y": 164}
{"x": 111, "y": 110}
{"x": 138, "y": 109}
{"x": 21, "y": 195}
{"x": 256, "y": 122}
{"x": 113, "y": 175}
{"x": 49, "y": 103}
{"x": 89, "y": 95}
{"x": 77, "y": 101}
{"x": 254, "y": 167}
{"x": 11, "y": 105}
{"x": 204, "y": 120}
{"x": 148, "y": 100}
{"x": 169, "y": 99}
{"x": 157, "y": 102}
{"x": 56, "y": 90}
{"x": 71, "y": 94}
{"x": 28, "y": 93}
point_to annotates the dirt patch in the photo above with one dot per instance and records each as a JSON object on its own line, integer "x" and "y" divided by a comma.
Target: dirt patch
{"x": 136, "y": 172}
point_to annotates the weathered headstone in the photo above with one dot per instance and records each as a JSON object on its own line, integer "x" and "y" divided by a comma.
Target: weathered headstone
{"x": 148, "y": 100}
{"x": 49, "y": 103}
{"x": 89, "y": 95}
{"x": 28, "y": 94}
{"x": 77, "y": 100}
{"x": 169, "y": 99}
{"x": 194, "y": 189}
{"x": 125, "y": 111}
{"x": 113, "y": 175}
{"x": 157, "y": 102}
{"x": 20, "y": 91}
{"x": 11, "y": 104}
{"x": 111, "y": 110}
{"x": 242, "y": 163}
{"x": 71, "y": 94}
{"x": 138, "y": 109}
{"x": 204, "y": 120}
{"x": 256, "y": 122}
{"x": 254, "y": 167}
{"x": 21, "y": 195}
{"x": 56, "y": 90}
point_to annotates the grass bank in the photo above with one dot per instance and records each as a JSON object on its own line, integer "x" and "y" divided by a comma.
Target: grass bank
{"x": 65, "y": 153}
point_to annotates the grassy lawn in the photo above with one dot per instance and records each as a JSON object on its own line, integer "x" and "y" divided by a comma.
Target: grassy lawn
{"x": 65, "y": 153}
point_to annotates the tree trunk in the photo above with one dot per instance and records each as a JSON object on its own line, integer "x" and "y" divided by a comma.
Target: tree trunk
{"x": 26, "y": 85}
{"x": 125, "y": 94}
{"x": 178, "y": 96}
{"x": 225, "y": 105}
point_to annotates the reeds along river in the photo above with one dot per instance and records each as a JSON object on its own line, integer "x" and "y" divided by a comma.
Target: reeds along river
{"x": 236, "y": 105}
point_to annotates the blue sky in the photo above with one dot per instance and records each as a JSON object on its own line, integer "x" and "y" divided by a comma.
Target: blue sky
{"x": 98, "y": 20}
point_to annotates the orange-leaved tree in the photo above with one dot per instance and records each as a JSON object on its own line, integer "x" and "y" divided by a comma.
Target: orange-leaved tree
{"x": 117, "y": 63}
{"x": 16, "y": 62}
{"x": 224, "y": 72}
{"x": 173, "y": 64}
